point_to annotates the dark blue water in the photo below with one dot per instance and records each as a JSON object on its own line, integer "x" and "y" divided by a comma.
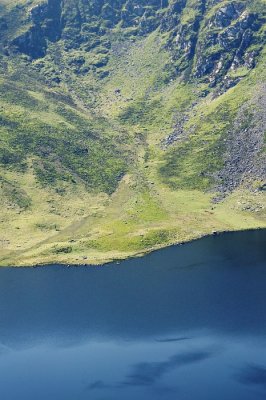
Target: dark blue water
{"x": 184, "y": 323}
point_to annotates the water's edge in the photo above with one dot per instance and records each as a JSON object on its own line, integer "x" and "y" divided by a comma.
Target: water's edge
{"x": 123, "y": 258}
{"x": 186, "y": 322}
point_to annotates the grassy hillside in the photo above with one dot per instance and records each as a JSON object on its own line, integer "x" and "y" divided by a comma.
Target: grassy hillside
{"x": 130, "y": 128}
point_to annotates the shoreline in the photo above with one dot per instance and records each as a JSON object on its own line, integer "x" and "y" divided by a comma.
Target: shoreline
{"x": 119, "y": 260}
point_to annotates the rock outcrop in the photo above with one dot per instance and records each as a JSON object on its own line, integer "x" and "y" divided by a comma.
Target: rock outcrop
{"x": 244, "y": 158}
{"x": 207, "y": 41}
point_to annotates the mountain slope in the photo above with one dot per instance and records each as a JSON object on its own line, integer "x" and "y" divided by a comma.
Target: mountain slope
{"x": 128, "y": 125}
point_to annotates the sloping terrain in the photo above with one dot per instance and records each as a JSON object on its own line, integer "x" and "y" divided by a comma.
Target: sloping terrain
{"x": 128, "y": 125}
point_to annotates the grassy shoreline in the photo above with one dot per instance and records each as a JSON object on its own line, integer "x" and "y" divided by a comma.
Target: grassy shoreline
{"x": 137, "y": 218}
{"x": 104, "y": 262}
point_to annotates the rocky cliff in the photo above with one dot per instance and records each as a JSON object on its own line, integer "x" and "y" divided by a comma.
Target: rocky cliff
{"x": 207, "y": 39}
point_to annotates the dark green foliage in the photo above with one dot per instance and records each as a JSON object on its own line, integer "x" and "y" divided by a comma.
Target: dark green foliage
{"x": 154, "y": 238}
{"x": 9, "y": 157}
{"x": 12, "y": 93}
{"x": 141, "y": 111}
{"x": 63, "y": 250}
{"x": 74, "y": 149}
{"x": 14, "y": 194}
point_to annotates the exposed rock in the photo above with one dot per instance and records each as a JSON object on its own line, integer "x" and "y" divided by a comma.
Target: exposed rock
{"x": 179, "y": 132}
{"x": 229, "y": 33}
{"x": 244, "y": 159}
{"x": 45, "y": 19}
{"x": 205, "y": 48}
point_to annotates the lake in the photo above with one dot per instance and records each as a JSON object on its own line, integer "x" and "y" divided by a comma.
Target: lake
{"x": 185, "y": 323}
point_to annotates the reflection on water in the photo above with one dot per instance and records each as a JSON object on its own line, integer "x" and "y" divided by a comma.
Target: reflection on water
{"x": 183, "y": 323}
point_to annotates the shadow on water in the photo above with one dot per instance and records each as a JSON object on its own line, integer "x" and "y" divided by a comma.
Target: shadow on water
{"x": 142, "y": 297}
{"x": 186, "y": 316}
{"x": 253, "y": 375}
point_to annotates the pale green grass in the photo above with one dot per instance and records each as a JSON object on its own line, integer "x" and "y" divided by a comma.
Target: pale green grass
{"x": 93, "y": 230}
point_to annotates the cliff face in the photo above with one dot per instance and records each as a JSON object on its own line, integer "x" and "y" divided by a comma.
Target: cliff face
{"x": 206, "y": 38}
{"x": 43, "y": 24}
{"x": 77, "y": 22}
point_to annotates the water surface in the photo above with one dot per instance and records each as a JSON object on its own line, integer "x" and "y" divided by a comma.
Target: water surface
{"x": 183, "y": 323}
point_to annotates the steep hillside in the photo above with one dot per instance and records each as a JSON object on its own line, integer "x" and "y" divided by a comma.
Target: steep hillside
{"x": 128, "y": 125}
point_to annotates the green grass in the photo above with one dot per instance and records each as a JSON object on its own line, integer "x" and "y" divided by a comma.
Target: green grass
{"x": 84, "y": 173}
{"x": 191, "y": 163}
{"x": 72, "y": 143}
